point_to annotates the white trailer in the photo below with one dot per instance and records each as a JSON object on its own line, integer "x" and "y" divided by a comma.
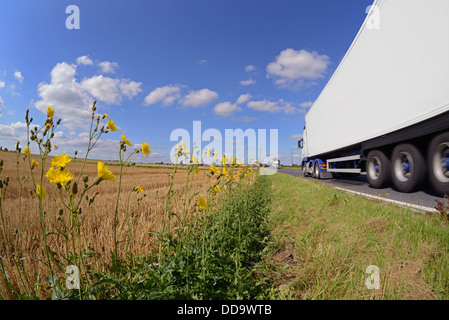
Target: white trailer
{"x": 385, "y": 111}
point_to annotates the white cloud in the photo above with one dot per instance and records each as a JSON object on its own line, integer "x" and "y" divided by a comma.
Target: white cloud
{"x": 226, "y": 109}
{"x": 108, "y": 67}
{"x": 250, "y": 68}
{"x": 243, "y": 98}
{"x": 84, "y": 60}
{"x": 130, "y": 88}
{"x": 18, "y": 76}
{"x": 1, "y": 105}
{"x": 295, "y": 69}
{"x": 73, "y": 100}
{"x": 103, "y": 88}
{"x": 2, "y": 84}
{"x": 165, "y": 95}
{"x": 264, "y": 105}
{"x": 273, "y": 106}
{"x": 307, "y": 104}
{"x": 199, "y": 98}
{"x": 247, "y": 82}
{"x": 65, "y": 95}
{"x": 296, "y": 137}
{"x": 13, "y": 132}
{"x": 202, "y": 61}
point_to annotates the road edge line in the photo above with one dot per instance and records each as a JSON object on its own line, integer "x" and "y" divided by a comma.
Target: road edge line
{"x": 399, "y": 203}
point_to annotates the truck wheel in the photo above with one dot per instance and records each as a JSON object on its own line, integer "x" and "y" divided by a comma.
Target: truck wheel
{"x": 438, "y": 163}
{"x": 316, "y": 170}
{"x": 408, "y": 167}
{"x": 377, "y": 169}
{"x": 304, "y": 171}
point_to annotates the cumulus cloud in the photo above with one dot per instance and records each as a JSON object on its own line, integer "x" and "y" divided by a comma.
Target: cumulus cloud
{"x": 72, "y": 100}
{"x": 130, "y": 88}
{"x": 18, "y": 76}
{"x": 166, "y": 95}
{"x": 273, "y": 106}
{"x": 103, "y": 88}
{"x": 2, "y": 84}
{"x": 296, "y": 137}
{"x": 264, "y": 105}
{"x": 1, "y": 105}
{"x": 295, "y": 69}
{"x": 108, "y": 67}
{"x": 243, "y": 98}
{"x": 13, "y": 132}
{"x": 250, "y": 68}
{"x": 307, "y": 104}
{"x": 227, "y": 108}
{"x": 247, "y": 82}
{"x": 199, "y": 98}
{"x": 84, "y": 60}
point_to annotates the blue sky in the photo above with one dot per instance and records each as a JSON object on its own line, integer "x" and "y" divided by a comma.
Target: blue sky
{"x": 158, "y": 65}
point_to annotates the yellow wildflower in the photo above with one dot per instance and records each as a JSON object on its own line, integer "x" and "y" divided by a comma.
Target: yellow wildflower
{"x": 214, "y": 169}
{"x": 208, "y": 152}
{"x": 139, "y": 189}
{"x": 215, "y": 155}
{"x": 40, "y": 191}
{"x": 223, "y": 161}
{"x": 50, "y": 112}
{"x": 146, "y": 149}
{"x": 183, "y": 146}
{"x": 105, "y": 115}
{"x": 61, "y": 160}
{"x": 58, "y": 176}
{"x": 195, "y": 171}
{"x": 111, "y": 125}
{"x": 217, "y": 189}
{"x": 225, "y": 172}
{"x": 34, "y": 164}
{"x": 26, "y": 151}
{"x": 104, "y": 173}
{"x": 202, "y": 203}
{"x": 126, "y": 140}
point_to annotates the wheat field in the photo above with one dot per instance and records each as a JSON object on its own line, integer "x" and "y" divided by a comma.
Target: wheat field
{"x": 139, "y": 214}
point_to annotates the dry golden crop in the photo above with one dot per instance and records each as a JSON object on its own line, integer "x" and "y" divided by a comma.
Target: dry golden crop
{"x": 143, "y": 216}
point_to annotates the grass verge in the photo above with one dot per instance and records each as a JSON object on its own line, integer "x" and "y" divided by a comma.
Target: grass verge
{"x": 324, "y": 240}
{"x": 212, "y": 259}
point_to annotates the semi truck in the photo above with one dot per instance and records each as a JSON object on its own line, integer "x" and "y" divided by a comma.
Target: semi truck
{"x": 385, "y": 110}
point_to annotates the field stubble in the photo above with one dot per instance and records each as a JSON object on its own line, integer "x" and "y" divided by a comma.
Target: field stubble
{"x": 135, "y": 223}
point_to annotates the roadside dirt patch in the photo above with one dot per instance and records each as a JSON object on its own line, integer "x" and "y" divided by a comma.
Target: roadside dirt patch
{"x": 406, "y": 277}
{"x": 376, "y": 224}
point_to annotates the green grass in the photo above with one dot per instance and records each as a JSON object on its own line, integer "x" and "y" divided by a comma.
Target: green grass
{"x": 213, "y": 259}
{"x": 324, "y": 239}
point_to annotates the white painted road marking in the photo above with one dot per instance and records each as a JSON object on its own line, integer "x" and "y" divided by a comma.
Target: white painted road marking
{"x": 399, "y": 203}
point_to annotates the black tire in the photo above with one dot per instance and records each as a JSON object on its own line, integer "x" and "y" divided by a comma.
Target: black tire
{"x": 378, "y": 171}
{"x": 316, "y": 170}
{"x": 408, "y": 167}
{"x": 304, "y": 169}
{"x": 438, "y": 170}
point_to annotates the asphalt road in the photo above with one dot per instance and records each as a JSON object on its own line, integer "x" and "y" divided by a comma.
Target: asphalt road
{"x": 358, "y": 183}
